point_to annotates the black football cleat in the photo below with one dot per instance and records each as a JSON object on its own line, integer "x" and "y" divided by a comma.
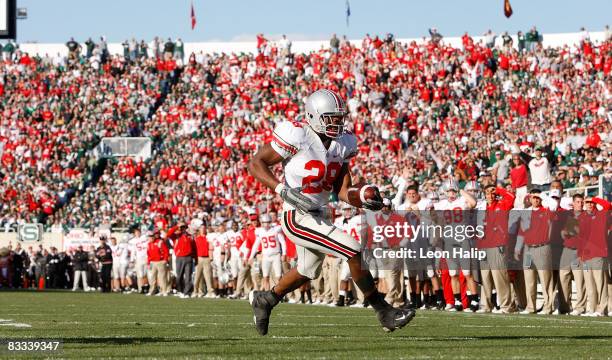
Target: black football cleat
{"x": 262, "y": 303}
{"x": 395, "y": 318}
{"x": 474, "y": 306}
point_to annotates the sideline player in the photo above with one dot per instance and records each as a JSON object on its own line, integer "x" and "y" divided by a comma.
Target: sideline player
{"x": 139, "y": 244}
{"x": 234, "y": 238}
{"x": 454, "y": 213}
{"x": 315, "y": 158}
{"x": 421, "y": 272}
{"x": 350, "y": 222}
{"x": 272, "y": 245}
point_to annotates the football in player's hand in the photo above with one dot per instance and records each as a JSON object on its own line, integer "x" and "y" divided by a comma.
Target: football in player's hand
{"x": 360, "y": 195}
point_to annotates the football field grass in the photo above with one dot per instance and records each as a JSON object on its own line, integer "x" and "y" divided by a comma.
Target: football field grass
{"x": 116, "y": 325}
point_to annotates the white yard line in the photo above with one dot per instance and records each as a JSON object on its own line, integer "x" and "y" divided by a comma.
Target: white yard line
{"x": 12, "y": 323}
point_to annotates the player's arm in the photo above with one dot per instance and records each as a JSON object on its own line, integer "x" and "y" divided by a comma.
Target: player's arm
{"x": 260, "y": 165}
{"x": 281, "y": 240}
{"x": 255, "y": 247}
{"x": 343, "y": 186}
{"x": 469, "y": 199}
{"x": 602, "y": 202}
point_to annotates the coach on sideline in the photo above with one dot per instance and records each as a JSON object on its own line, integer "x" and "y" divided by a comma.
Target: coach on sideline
{"x": 157, "y": 257}
{"x": 593, "y": 252}
{"x": 203, "y": 272}
{"x": 104, "y": 254}
{"x": 496, "y": 240}
{"x": 537, "y": 254}
{"x": 184, "y": 248}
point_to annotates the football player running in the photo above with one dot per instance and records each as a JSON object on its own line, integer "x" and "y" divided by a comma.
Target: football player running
{"x": 315, "y": 158}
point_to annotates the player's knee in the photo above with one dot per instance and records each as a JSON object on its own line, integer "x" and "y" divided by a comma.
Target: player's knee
{"x": 311, "y": 273}
{"x": 453, "y": 273}
{"x": 466, "y": 272}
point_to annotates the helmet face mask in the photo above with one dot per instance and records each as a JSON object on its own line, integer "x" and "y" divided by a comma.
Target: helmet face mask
{"x": 334, "y": 124}
{"x": 326, "y": 113}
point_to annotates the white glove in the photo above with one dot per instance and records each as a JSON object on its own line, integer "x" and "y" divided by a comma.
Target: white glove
{"x": 295, "y": 198}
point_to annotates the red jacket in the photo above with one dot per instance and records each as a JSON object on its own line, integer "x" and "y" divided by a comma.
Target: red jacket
{"x": 539, "y": 227}
{"x": 248, "y": 235}
{"x": 572, "y": 242}
{"x": 201, "y": 243}
{"x": 157, "y": 251}
{"x": 518, "y": 176}
{"x": 183, "y": 243}
{"x": 594, "y": 232}
{"x": 496, "y": 220}
{"x": 183, "y": 246}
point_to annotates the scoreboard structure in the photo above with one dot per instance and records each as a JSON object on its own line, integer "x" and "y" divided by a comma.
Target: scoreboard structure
{"x": 8, "y": 19}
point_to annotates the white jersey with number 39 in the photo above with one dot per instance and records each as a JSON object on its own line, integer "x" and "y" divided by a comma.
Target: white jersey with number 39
{"x": 307, "y": 163}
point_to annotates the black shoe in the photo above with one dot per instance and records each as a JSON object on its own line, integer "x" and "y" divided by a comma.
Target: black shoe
{"x": 474, "y": 306}
{"x": 440, "y": 305}
{"x": 340, "y": 303}
{"x": 395, "y": 318}
{"x": 458, "y": 306}
{"x": 262, "y": 303}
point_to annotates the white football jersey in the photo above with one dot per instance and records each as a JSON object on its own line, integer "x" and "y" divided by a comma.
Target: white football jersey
{"x": 351, "y": 226}
{"x": 422, "y": 204}
{"x": 279, "y": 229}
{"x": 139, "y": 247}
{"x": 453, "y": 212}
{"x": 219, "y": 243}
{"x": 121, "y": 253}
{"x": 458, "y": 204}
{"x": 271, "y": 242}
{"x": 307, "y": 163}
{"x": 233, "y": 237}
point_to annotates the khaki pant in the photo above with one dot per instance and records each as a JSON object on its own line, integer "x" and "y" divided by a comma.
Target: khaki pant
{"x": 159, "y": 274}
{"x": 203, "y": 274}
{"x": 494, "y": 273}
{"x": 539, "y": 268}
{"x": 295, "y": 294}
{"x": 330, "y": 279}
{"x": 317, "y": 287}
{"x": 394, "y": 279}
{"x": 518, "y": 290}
{"x": 596, "y": 279}
{"x": 244, "y": 284}
{"x": 571, "y": 268}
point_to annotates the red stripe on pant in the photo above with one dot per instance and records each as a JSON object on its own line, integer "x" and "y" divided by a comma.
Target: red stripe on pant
{"x": 316, "y": 238}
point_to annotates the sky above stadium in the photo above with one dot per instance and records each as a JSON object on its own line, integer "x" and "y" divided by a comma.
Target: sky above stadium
{"x": 241, "y": 20}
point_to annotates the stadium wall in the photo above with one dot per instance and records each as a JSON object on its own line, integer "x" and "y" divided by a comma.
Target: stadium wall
{"x": 61, "y": 241}
{"x": 55, "y": 50}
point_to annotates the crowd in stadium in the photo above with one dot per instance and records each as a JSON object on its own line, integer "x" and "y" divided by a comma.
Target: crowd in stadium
{"x": 521, "y": 117}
